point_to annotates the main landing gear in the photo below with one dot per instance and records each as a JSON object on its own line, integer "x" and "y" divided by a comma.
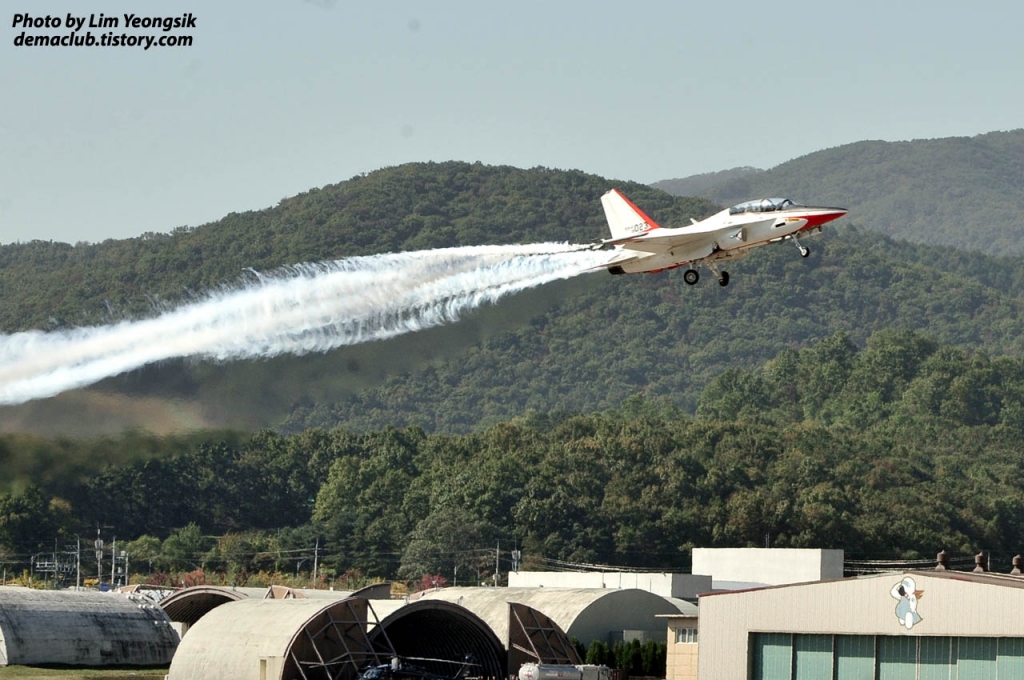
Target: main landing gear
{"x": 692, "y": 276}
{"x": 723, "y": 276}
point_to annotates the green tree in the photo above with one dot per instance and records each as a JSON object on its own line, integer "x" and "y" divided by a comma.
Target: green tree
{"x": 450, "y": 541}
{"x": 185, "y": 549}
{"x": 29, "y": 521}
{"x": 825, "y": 368}
{"x": 654, "y": 656}
{"x": 145, "y": 550}
{"x": 598, "y": 653}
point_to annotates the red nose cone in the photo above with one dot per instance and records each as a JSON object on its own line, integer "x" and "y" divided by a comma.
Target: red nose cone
{"x": 824, "y": 217}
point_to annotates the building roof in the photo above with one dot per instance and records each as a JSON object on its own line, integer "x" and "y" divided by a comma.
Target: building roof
{"x": 286, "y": 635}
{"x": 188, "y": 605}
{"x": 987, "y": 578}
{"x": 685, "y": 607}
{"x": 191, "y": 604}
{"x": 282, "y": 635}
{"x": 666, "y": 584}
{"x": 43, "y": 627}
{"x": 584, "y": 613}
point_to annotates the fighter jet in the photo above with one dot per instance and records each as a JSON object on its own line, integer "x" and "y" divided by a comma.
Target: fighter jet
{"x": 641, "y": 245}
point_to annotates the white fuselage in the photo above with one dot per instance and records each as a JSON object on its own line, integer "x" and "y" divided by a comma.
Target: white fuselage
{"x": 721, "y": 236}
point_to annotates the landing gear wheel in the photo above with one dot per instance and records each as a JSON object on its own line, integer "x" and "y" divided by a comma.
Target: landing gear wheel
{"x": 804, "y": 251}
{"x": 723, "y": 279}
{"x": 691, "y": 276}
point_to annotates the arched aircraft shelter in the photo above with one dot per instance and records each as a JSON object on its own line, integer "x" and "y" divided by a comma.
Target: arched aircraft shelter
{"x": 285, "y": 639}
{"x": 434, "y": 629}
{"x": 269, "y": 639}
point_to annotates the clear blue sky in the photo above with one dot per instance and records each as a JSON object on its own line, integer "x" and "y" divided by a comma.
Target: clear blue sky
{"x": 274, "y": 98}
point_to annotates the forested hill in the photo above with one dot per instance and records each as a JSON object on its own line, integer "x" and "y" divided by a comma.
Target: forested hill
{"x": 895, "y": 450}
{"x": 966, "y": 192}
{"x": 653, "y": 335}
{"x": 409, "y": 207}
{"x": 695, "y": 185}
{"x": 582, "y": 345}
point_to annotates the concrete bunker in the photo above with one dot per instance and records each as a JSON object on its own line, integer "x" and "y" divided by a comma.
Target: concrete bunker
{"x": 438, "y": 636}
{"x": 278, "y": 639}
{"x": 267, "y": 639}
{"x": 521, "y": 633}
{"x": 188, "y": 605}
{"x": 46, "y": 627}
{"x": 586, "y": 614}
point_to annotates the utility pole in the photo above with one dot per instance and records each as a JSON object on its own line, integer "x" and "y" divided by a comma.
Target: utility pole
{"x": 113, "y": 560}
{"x": 99, "y": 558}
{"x": 497, "y": 563}
{"x": 316, "y": 555}
{"x": 78, "y": 562}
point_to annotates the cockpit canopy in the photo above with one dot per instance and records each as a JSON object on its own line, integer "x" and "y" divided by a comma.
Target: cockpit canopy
{"x": 762, "y": 205}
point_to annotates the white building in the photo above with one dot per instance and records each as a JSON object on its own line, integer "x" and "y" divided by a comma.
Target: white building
{"x": 680, "y": 586}
{"x": 916, "y": 625}
{"x": 736, "y": 568}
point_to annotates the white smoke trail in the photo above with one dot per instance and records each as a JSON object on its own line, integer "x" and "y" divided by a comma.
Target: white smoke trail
{"x": 297, "y": 310}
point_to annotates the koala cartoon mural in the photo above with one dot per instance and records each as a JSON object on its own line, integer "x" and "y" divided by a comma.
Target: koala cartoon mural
{"x": 907, "y": 595}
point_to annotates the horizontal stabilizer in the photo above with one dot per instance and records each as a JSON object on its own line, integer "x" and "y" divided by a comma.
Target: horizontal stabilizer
{"x": 607, "y": 243}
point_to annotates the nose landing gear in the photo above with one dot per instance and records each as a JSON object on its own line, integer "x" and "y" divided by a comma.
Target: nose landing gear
{"x": 804, "y": 250}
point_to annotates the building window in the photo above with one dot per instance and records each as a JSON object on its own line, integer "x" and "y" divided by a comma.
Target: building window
{"x": 788, "y": 656}
{"x": 686, "y": 636}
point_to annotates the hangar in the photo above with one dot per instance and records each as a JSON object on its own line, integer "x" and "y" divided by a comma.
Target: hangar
{"x": 500, "y": 628}
{"x": 308, "y": 637}
{"x": 437, "y": 630}
{"x": 913, "y": 624}
{"x": 46, "y": 627}
{"x": 521, "y": 633}
{"x": 269, "y": 638}
{"x": 188, "y": 605}
{"x": 302, "y": 637}
{"x": 587, "y": 614}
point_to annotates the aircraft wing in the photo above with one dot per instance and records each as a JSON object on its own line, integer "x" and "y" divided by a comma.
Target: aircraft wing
{"x": 664, "y": 240}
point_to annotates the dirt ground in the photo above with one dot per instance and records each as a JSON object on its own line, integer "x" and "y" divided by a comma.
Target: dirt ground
{"x": 18, "y": 672}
